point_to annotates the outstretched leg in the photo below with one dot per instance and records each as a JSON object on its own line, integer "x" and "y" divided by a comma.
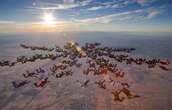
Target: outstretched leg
{"x": 128, "y": 93}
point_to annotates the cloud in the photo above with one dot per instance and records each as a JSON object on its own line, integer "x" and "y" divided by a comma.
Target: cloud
{"x": 109, "y": 18}
{"x": 140, "y": 2}
{"x": 67, "y": 4}
{"x": 144, "y": 2}
{"x": 68, "y": 1}
{"x": 95, "y": 8}
{"x": 105, "y": 5}
{"x": 84, "y": 2}
{"x": 57, "y": 7}
{"x": 118, "y": 4}
{"x": 7, "y": 22}
{"x": 132, "y": 15}
{"x": 152, "y": 13}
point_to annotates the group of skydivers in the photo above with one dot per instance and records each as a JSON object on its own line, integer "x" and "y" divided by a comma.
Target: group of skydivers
{"x": 99, "y": 61}
{"x": 33, "y": 58}
{"x": 101, "y": 66}
{"x": 36, "y": 47}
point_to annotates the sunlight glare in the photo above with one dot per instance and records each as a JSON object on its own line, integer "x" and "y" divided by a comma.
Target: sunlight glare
{"x": 48, "y": 19}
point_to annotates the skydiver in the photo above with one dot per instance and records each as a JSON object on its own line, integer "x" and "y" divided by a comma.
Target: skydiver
{"x": 128, "y": 93}
{"x": 163, "y": 62}
{"x": 116, "y": 96}
{"x": 164, "y": 68}
{"x": 41, "y": 83}
{"x": 101, "y": 84}
{"x": 20, "y": 84}
{"x": 28, "y": 74}
{"x": 125, "y": 85}
{"x": 85, "y": 83}
{"x": 59, "y": 75}
{"x": 120, "y": 74}
{"x": 40, "y": 70}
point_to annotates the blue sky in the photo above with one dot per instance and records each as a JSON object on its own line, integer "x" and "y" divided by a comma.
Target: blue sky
{"x": 87, "y": 15}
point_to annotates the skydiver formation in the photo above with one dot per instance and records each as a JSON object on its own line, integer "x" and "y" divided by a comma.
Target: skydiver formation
{"x": 36, "y": 47}
{"x": 96, "y": 60}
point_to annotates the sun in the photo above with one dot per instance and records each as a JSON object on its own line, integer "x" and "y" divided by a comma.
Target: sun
{"x": 48, "y": 19}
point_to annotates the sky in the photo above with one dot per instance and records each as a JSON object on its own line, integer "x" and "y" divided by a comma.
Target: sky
{"x": 86, "y": 15}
